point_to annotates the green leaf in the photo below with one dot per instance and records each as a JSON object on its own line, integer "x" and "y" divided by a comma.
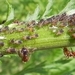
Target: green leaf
{"x": 48, "y": 8}
{"x": 70, "y": 5}
{"x": 34, "y": 16}
{"x": 10, "y": 14}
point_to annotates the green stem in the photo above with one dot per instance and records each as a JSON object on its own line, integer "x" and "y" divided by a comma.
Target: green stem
{"x": 46, "y": 39}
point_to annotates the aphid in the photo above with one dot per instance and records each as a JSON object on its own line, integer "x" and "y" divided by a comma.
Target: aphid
{"x": 30, "y": 28}
{"x": 11, "y": 41}
{"x": 11, "y": 50}
{"x": 34, "y": 36}
{"x": 67, "y": 53}
{"x": 57, "y": 17}
{"x": 48, "y": 20}
{"x": 17, "y": 22}
{"x": 24, "y": 54}
{"x": 23, "y": 23}
{"x": 27, "y": 37}
{"x": 31, "y": 23}
{"x": 41, "y": 22}
{"x": 5, "y": 28}
{"x": 62, "y": 17}
{"x": 72, "y": 30}
{"x": 71, "y": 20}
{"x": 12, "y": 30}
{"x": 54, "y": 20}
{"x": 20, "y": 29}
{"x": 59, "y": 32}
{"x": 1, "y": 43}
{"x": 17, "y": 42}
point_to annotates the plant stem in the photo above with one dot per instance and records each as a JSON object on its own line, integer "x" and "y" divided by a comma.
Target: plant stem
{"x": 46, "y": 39}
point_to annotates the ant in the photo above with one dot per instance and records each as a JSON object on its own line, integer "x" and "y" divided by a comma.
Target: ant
{"x": 24, "y": 54}
{"x": 68, "y": 53}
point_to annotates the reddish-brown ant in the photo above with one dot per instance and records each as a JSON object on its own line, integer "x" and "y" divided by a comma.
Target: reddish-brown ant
{"x": 73, "y": 53}
{"x": 68, "y": 53}
{"x": 24, "y": 54}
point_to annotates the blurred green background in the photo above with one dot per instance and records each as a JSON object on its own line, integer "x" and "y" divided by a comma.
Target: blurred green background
{"x": 43, "y": 62}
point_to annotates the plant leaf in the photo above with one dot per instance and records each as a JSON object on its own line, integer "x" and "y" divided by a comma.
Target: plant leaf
{"x": 70, "y": 5}
{"x": 10, "y": 14}
{"x": 48, "y": 8}
{"x": 34, "y": 16}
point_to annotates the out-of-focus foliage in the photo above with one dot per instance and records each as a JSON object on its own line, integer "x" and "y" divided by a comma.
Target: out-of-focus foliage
{"x": 42, "y": 62}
